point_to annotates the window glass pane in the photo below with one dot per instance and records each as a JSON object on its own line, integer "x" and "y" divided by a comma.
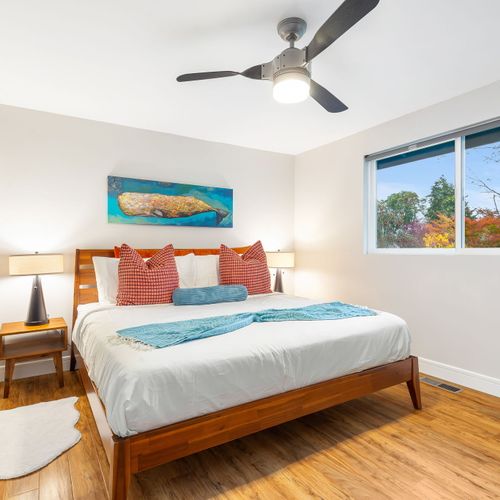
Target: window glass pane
{"x": 416, "y": 198}
{"x": 482, "y": 189}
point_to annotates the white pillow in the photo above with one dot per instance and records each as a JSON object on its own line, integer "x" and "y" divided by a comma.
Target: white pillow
{"x": 186, "y": 270}
{"x": 206, "y": 270}
{"x": 106, "y": 274}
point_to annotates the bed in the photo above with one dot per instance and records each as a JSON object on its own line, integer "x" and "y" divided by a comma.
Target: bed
{"x": 224, "y": 387}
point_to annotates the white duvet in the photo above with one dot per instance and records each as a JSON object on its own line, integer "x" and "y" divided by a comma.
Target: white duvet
{"x": 144, "y": 388}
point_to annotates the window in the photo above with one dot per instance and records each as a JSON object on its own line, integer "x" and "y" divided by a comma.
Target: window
{"x": 416, "y": 198}
{"x": 482, "y": 189}
{"x": 441, "y": 194}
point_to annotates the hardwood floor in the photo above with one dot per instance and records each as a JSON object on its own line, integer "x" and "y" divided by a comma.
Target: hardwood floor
{"x": 374, "y": 447}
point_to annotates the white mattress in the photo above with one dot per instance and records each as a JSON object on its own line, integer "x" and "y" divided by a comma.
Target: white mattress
{"x": 145, "y": 388}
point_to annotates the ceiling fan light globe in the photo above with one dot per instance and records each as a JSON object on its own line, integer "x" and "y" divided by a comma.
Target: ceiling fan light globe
{"x": 291, "y": 87}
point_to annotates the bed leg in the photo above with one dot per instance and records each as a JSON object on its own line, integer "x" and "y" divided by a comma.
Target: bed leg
{"x": 120, "y": 475}
{"x": 72, "y": 363}
{"x": 414, "y": 384}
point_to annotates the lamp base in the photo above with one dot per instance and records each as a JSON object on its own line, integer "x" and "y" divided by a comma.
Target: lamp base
{"x": 278, "y": 283}
{"x": 37, "y": 314}
{"x": 37, "y": 323}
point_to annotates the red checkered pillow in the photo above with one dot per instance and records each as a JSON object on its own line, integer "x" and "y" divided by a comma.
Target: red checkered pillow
{"x": 146, "y": 282}
{"x": 249, "y": 269}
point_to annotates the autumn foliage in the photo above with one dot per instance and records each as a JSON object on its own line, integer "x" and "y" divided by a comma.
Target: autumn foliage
{"x": 479, "y": 233}
{"x": 440, "y": 233}
{"x": 483, "y": 232}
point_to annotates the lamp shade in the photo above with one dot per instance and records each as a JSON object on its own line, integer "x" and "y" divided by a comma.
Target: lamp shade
{"x": 33, "y": 264}
{"x": 280, "y": 259}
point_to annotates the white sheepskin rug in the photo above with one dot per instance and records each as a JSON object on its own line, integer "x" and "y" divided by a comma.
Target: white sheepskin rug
{"x": 32, "y": 436}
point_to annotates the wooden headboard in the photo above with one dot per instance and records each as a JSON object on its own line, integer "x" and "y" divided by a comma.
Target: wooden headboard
{"x": 85, "y": 290}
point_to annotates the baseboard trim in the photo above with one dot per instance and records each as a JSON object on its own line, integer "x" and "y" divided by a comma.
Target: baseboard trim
{"x": 473, "y": 380}
{"x": 34, "y": 368}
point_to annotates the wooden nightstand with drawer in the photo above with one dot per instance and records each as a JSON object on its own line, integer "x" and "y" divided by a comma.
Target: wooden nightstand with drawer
{"x": 49, "y": 340}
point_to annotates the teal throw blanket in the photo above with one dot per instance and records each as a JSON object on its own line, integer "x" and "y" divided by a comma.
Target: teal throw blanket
{"x": 167, "y": 334}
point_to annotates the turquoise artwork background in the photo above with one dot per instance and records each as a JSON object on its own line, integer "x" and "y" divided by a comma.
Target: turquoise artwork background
{"x": 216, "y": 197}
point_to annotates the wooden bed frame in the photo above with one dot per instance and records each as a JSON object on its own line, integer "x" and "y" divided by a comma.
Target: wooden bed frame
{"x": 149, "y": 449}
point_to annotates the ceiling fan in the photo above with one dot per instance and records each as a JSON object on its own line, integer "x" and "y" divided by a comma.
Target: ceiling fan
{"x": 290, "y": 71}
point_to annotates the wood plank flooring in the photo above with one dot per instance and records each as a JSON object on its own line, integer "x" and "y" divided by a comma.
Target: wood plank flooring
{"x": 371, "y": 448}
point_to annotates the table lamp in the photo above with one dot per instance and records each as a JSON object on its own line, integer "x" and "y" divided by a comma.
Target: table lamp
{"x": 36, "y": 264}
{"x": 280, "y": 260}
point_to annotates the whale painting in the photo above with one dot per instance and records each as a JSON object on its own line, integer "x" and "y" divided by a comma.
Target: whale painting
{"x": 138, "y": 201}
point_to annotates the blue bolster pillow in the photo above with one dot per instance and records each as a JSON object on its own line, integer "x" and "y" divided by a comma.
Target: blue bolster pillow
{"x": 209, "y": 295}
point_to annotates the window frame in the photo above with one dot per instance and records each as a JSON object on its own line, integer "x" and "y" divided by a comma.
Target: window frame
{"x": 370, "y": 194}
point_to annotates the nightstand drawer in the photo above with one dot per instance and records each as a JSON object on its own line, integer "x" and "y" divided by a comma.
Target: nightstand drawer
{"x": 34, "y": 345}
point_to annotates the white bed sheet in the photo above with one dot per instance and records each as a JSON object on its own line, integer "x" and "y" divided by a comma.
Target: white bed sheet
{"x": 146, "y": 389}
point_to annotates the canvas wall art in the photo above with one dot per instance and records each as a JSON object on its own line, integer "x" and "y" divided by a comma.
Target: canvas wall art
{"x": 138, "y": 201}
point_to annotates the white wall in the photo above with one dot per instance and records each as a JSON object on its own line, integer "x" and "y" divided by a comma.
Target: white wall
{"x": 53, "y": 185}
{"x": 451, "y": 303}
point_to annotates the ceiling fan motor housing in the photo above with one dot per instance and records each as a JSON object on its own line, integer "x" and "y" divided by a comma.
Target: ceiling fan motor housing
{"x": 290, "y": 59}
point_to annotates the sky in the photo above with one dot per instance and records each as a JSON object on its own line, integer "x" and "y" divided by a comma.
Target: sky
{"x": 481, "y": 162}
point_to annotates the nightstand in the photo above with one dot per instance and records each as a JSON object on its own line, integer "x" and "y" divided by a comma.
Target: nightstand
{"x": 44, "y": 341}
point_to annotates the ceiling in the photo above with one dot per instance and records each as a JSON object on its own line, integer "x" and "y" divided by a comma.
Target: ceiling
{"x": 116, "y": 61}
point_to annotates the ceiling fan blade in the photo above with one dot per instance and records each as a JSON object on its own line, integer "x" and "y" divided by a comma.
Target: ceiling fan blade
{"x": 254, "y": 72}
{"x": 326, "y": 99}
{"x": 343, "y": 19}
{"x": 208, "y": 75}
